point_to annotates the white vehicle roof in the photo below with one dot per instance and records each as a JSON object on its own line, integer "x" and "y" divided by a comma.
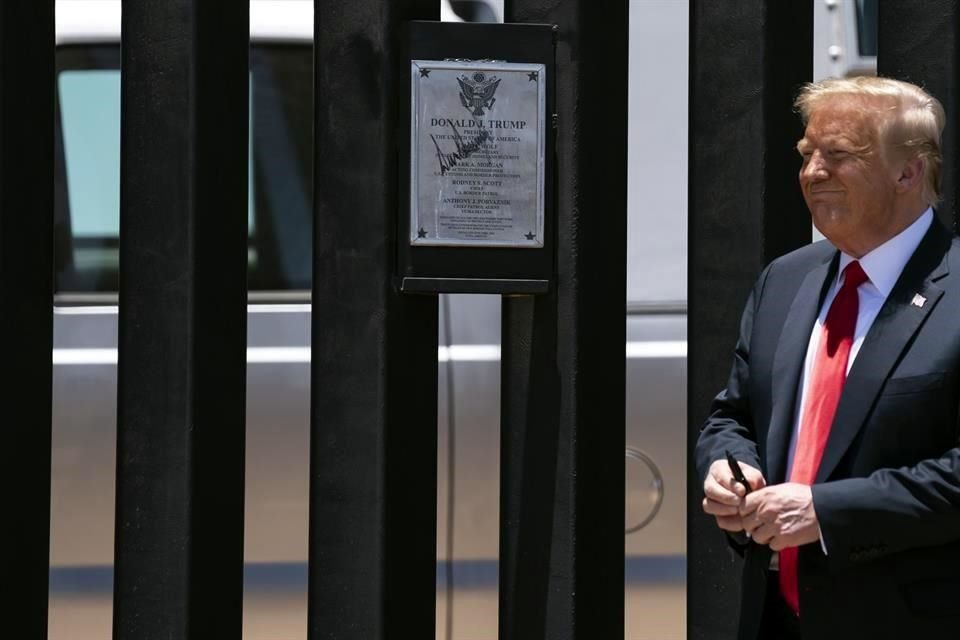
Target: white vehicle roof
{"x": 99, "y": 20}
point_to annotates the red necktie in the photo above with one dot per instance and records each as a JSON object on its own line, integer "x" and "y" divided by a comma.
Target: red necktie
{"x": 828, "y": 374}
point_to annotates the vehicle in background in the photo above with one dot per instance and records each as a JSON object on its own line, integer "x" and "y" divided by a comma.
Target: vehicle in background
{"x": 278, "y": 377}
{"x": 845, "y": 38}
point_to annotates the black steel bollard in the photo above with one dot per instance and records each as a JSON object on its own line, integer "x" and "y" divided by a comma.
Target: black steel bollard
{"x": 563, "y": 372}
{"x": 26, "y": 308}
{"x": 745, "y": 208}
{"x": 373, "y": 463}
{"x": 917, "y": 42}
{"x": 182, "y": 363}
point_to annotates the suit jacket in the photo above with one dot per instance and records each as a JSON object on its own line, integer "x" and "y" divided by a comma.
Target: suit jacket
{"x": 887, "y": 494}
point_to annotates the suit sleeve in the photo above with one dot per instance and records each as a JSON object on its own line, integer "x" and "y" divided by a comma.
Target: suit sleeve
{"x": 890, "y": 510}
{"x": 730, "y": 425}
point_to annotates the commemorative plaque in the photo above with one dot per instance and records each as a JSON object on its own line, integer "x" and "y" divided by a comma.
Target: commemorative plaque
{"x": 477, "y": 146}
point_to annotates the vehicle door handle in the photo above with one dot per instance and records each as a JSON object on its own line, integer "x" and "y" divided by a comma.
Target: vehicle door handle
{"x": 644, "y": 490}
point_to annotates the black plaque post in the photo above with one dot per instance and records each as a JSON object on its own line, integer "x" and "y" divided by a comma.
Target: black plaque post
{"x": 183, "y": 254}
{"x": 26, "y": 308}
{"x": 373, "y": 463}
{"x": 745, "y": 208}
{"x": 917, "y": 42}
{"x": 563, "y": 373}
{"x": 495, "y": 252}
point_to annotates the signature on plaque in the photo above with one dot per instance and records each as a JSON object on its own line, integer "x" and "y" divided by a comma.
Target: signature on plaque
{"x": 465, "y": 148}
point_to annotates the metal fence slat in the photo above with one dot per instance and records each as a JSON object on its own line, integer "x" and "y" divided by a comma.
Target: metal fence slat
{"x": 373, "y": 463}
{"x": 745, "y": 208}
{"x": 562, "y": 426}
{"x": 182, "y": 343}
{"x": 26, "y": 308}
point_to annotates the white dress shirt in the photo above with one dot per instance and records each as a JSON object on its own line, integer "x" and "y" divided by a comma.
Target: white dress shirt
{"x": 883, "y": 267}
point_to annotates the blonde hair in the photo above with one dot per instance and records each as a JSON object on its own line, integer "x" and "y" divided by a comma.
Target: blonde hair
{"x": 907, "y": 118}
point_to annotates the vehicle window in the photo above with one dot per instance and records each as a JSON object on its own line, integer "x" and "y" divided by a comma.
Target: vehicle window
{"x": 867, "y": 27}
{"x": 279, "y": 197}
{"x": 90, "y": 116}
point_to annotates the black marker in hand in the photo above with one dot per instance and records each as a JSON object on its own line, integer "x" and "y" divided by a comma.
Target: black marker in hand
{"x": 737, "y": 472}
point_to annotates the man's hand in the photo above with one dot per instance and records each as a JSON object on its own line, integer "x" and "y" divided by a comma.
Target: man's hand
{"x": 781, "y": 516}
{"x": 724, "y": 496}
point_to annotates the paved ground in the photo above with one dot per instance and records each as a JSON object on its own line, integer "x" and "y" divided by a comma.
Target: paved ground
{"x": 653, "y": 613}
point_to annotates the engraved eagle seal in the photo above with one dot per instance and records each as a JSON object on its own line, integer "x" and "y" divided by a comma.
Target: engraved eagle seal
{"x": 476, "y": 92}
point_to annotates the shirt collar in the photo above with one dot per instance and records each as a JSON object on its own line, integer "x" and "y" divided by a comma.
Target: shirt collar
{"x": 884, "y": 264}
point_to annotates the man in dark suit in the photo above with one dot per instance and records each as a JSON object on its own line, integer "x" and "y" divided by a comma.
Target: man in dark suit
{"x": 842, "y": 403}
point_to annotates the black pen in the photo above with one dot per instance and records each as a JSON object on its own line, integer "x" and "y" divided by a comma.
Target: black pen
{"x": 737, "y": 472}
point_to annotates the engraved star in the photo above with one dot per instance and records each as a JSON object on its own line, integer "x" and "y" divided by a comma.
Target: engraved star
{"x": 532, "y": 76}
{"x": 425, "y": 72}
{"x": 422, "y": 233}
{"x": 530, "y": 236}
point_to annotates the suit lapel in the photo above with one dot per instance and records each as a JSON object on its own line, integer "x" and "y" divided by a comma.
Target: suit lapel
{"x": 891, "y": 332}
{"x": 788, "y": 362}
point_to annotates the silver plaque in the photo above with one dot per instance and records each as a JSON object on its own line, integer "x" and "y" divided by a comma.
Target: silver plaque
{"x": 477, "y": 153}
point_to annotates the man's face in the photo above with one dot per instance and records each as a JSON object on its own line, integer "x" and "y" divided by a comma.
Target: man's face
{"x": 846, "y": 181}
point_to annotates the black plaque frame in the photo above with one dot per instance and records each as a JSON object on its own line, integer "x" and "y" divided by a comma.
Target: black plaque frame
{"x": 499, "y": 270}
